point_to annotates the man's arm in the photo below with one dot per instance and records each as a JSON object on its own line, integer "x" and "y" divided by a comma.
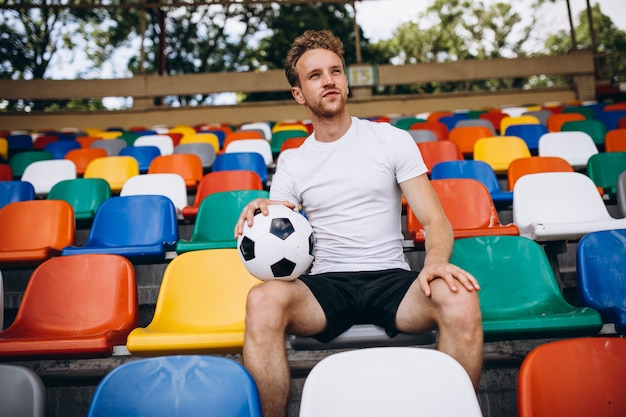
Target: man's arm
{"x": 439, "y": 237}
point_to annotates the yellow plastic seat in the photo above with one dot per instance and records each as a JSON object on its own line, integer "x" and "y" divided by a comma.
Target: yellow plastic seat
{"x": 500, "y": 151}
{"x": 209, "y": 138}
{"x": 200, "y": 308}
{"x": 518, "y": 120}
{"x": 114, "y": 169}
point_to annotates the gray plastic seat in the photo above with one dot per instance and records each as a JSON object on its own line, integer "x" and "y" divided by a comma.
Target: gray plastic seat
{"x": 205, "y": 151}
{"x": 22, "y": 393}
{"x": 112, "y": 146}
{"x": 621, "y": 193}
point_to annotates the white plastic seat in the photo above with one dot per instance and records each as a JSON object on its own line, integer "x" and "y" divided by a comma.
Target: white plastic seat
{"x": 163, "y": 142}
{"x": 262, "y": 126}
{"x": 43, "y": 175}
{"x": 391, "y": 381}
{"x": 575, "y": 147}
{"x": 259, "y": 146}
{"x": 171, "y": 186}
{"x": 551, "y": 206}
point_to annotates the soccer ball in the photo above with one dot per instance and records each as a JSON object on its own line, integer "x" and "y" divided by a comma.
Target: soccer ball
{"x": 277, "y": 246}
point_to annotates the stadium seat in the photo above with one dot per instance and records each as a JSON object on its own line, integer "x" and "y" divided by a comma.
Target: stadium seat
{"x": 242, "y": 135}
{"x": 519, "y": 294}
{"x": 477, "y": 122}
{"x": 556, "y": 121}
{"x": 587, "y": 110}
{"x": 141, "y": 227}
{"x": 513, "y": 111}
{"x": 536, "y": 164}
{"x": 477, "y": 170}
{"x": 601, "y": 275}
{"x": 604, "y": 168}
{"x": 188, "y": 166}
{"x": 19, "y": 143}
{"x": 249, "y": 161}
{"x": 292, "y": 143}
{"x": 33, "y": 231}
{"x": 555, "y": 206}
{"x": 82, "y": 157}
{"x": 143, "y": 154}
{"x": 205, "y": 151}
{"x": 43, "y": 175}
{"x": 465, "y": 137}
{"x": 215, "y": 222}
{"x": 73, "y": 307}
{"x": 451, "y": 120}
{"x": 530, "y": 133}
{"x": 1, "y": 302}
{"x": 621, "y": 194}
{"x": 206, "y": 138}
{"x": 508, "y": 121}
{"x": 219, "y": 181}
{"x": 382, "y": 382}
{"x": 12, "y": 191}
{"x": 4, "y": 149}
{"x": 499, "y": 151}
{"x": 22, "y": 393}
{"x": 21, "y": 160}
{"x": 405, "y": 122}
{"x": 615, "y": 141}
{"x": 439, "y": 129}
{"x": 439, "y": 151}
{"x": 6, "y": 172}
{"x": 264, "y": 127}
{"x": 541, "y": 115}
{"x": 575, "y": 147}
{"x": 200, "y": 308}
{"x": 422, "y": 135}
{"x": 611, "y": 118}
{"x": 282, "y": 135}
{"x": 42, "y": 140}
{"x": 190, "y": 386}
{"x": 593, "y": 128}
{"x": 469, "y": 208}
{"x": 260, "y": 146}
{"x": 434, "y": 116}
{"x": 112, "y": 146}
{"x": 495, "y": 117}
{"x": 171, "y": 186}
{"x": 60, "y": 148}
{"x": 577, "y": 378}
{"x": 114, "y": 169}
{"x": 163, "y": 142}
{"x": 85, "y": 195}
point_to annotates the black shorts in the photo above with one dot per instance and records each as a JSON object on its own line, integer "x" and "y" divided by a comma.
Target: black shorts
{"x": 365, "y": 297}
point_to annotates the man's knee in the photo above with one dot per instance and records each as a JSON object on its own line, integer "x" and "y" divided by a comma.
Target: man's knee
{"x": 265, "y": 308}
{"x": 462, "y": 310}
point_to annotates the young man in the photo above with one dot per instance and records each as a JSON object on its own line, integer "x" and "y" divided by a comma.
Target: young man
{"x": 349, "y": 176}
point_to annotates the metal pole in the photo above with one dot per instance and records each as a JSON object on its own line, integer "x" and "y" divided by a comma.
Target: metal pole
{"x": 357, "y": 37}
{"x": 571, "y": 26}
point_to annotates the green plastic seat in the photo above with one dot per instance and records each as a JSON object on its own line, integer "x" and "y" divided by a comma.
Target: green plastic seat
{"x": 21, "y": 160}
{"x": 85, "y": 195}
{"x": 594, "y": 128}
{"x": 216, "y": 219}
{"x": 282, "y": 135}
{"x": 519, "y": 296}
{"x": 604, "y": 169}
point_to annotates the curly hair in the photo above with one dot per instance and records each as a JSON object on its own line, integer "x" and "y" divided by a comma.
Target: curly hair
{"x": 311, "y": 39}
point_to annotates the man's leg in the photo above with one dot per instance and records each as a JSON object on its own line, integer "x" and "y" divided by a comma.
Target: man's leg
{"x": 274, "y": 308}
{"x": 456, "y": 316}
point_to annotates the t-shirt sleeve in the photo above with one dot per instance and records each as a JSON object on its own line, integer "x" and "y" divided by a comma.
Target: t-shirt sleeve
{"x": 282, "y": 187}
{"x": 407, "y": 158}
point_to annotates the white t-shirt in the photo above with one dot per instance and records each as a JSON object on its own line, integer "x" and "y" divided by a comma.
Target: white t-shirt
{"x": 350, "y": 194}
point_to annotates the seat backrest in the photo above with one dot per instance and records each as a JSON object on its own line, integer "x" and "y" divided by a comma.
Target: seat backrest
{"x": 43, "y": 175}
{"x": 575, "y": 147}
{"x": 517, "y": 120}
{"x": 451, "y": 120}
{"x": 593, "y": 128}
{"x": 188, "y": 166}
{"x": 171, "y": 186}
{"x": 601, "y": 275}
{"x": 262, "y": 126}
{"x": 114, "y": 169}
{"x": 382, "y": 382}
{"x": 530, "y": 133}
{"x": 611, "y": 117}
{"x": 85, "y": 195}
{"x": 112, "y": 146}
{"x": 22, "y": 393}
{"x": 4, "y": 149}
{"x": 218, "y": 181}
{"x": 261, "y": 146}
{"x": 477, "y": 170}
{"x": 12, "y": 191}
{"x": 441, "y": 150}
{"x": 209, "y": 138}
{"x": 33, "y": 231}
{"x": 495, "y": 117}
{"x": 163, "y": 142}
{"x": 143, "y": 154}
{"x": 6, "y": 172}
{"x": 242, "y": 134}
{"x": 19, "y": 142}
{"x": 615, "y": 140}
{"x": 60, "y": 148}
{"x": 500, "y": 151}
{"x": 555, "y": 122}
{"x": 205, "y": 151}
{"x": 477, "y": 122}
{"x": 604, "y": 168}
{"x": 541, "y": 115}
{"x": 575, "y": 377}
{"x": 43, "y": 139}
{"x": 249, "y": 161}
{"x": 99, "y": 289}
{"x": 21, "y": 160}
{"x": 438, "y": 128}
{"x": 422, "y": 135}
{"x": 82, "y": 157}
{"x": 466, "y": 136}
{"x": 621, "y": 193}
{"x": 280, "y": 136}
{"x": 534, "y": 165}
{"x": 188, "y": 385}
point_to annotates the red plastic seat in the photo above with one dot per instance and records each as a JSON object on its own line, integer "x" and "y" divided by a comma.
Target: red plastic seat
{"x": 438, "y": 128}
{"x": 469, "y": 208}
{"x": 439, "y": 151}
{"x": 74, "y": 306}
{"x": 33, "y": 231}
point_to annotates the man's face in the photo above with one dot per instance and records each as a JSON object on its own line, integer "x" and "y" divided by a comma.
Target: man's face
{"x": 323, "y": 84}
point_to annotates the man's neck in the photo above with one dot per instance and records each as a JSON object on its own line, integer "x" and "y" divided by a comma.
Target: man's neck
{"x": 329, "y": 129}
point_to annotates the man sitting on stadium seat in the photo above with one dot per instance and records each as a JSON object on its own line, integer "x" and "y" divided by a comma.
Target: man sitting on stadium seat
{"x": 349, "y": 177}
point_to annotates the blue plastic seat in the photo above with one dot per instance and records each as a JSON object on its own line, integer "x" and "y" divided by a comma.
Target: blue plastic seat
{"x": 59, "y": 148}
{"x": 451, "y": 120}
{"x": 142, "y": 228}
{"x": 529, "y": 133}
{"x": 11, "y": 191}
{"x": 143, "y": 154}
{"x": 19, "y": 142}
{"x": 611, "y": 118}
{"x": 477, "y": 170}
{"x": 601, "y": 269}
{"x": 167, "y": 386}
{"x": 250, "y": 161}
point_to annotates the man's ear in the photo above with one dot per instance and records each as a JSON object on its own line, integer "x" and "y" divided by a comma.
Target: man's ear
{"x": 297, "y": 95}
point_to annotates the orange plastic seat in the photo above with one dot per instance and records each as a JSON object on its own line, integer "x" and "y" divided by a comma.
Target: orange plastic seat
{"x": 556, "y": 121}
{"x": 576, "y": 378}
{"x": 188, "y": 166}
{"x": 114, "y": 169}
{"x": 469, "y": 208}
{"x": 74, "y": 306}
{"x": 436, "y": 115}
{"x": 242, "y": 134}
{"x": 33, "y": 231}
{"x": 292, "y": 143}
{"x": 82, "y": 157}
{"x": 615, "y": 140}
{"x": 499, "y": 151}
{"x": 215, "y": 182}
{"x": 438, "y": 128}
{"x": 441, "y": 150}
{"x": 534, "y": 164}
{"x": 466, "y": 136}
